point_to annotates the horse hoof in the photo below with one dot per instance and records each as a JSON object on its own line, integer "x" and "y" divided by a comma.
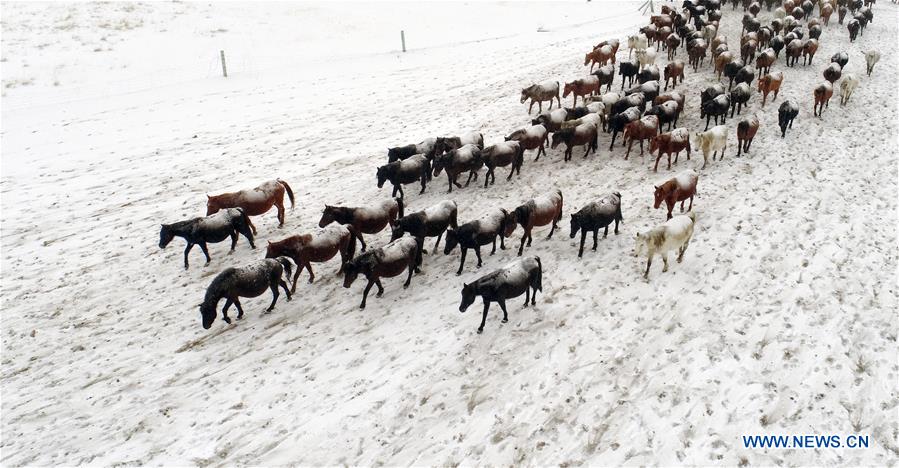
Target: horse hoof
{"x": 227, "y": 320}
{"x": 505, "y": 320}
{"x": 480, "y": 330}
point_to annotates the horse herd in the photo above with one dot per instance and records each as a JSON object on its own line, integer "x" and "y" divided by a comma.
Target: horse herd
{"x": 694, "y": 28}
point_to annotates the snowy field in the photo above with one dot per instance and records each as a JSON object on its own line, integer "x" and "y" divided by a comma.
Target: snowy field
{"x": 115, "y": 118}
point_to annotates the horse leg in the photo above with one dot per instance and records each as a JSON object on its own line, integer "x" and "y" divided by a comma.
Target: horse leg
{"x": 502, "y": 242}
{"x": 531, "y": 107}
{"x": 510, "y": 173}
{"x": 580, "y": 252}
{"x": 450, "y": 179}
{"x": 380, "y": 287}
{"x": 239, "y": 308}
{"x": 523, "y": 238}
{"x": 233, "y": 240}
{"x": 630, "y": 144}
{"x": 365, "y": 293}
{"x": 205, "y": 252}
{"x": 486, "y": 177}
{"x": 311, "y": 274}
{"x": 187, "y": 251}
{"x": 502, "y": 305}
{"x": 477, "y": 251}
{"x": 393, "y": 194}
{"x": 296, "y": 275}
{"x": 648, "y": 264}
{"x": 641, "y": 147}
{"x": 665, "y": 262}
{"x": 527, "y": 294}
{"x": 484, "y": 316}
{"x": 274, "y": 288}
{"x": 596, "y": 236}
{"x": 462, "y": 260}
{"x": 280, "y": 207}
{"x": 683, "y": 249}
{"x": 438, "y": 242}
{"x": 225, "y": 317}
{"x": 691, "y": 204}
{"x": 551, "y": 230}
{"x": 412, "y": 268}
{"x": 361, "y": 240}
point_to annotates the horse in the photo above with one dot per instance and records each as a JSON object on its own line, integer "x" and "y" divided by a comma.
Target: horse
{"x": 746, "y": 130}
{"x": 744, "y": 75}
{"x": 637, "y": 42}
{"x": 582, "y": 87}
{"x": 738, "y": 96}
{"x": 677, "y": 189}
{"x": 426, "y": 148}
{"x": 383, "y": 262}
{"x": 794, "y": 50}
{"x": 841, "y": 13}
{"x": 697, "y": 53}
{"x": 673, "y": 96}
{"x": 413, "y": 169}
{"x": 649, "y": 90}
{"x": 847, "y": 86}
{"x": 822, "y": 93}
{"x": 513, "y": 280}
{"x": 650, "y": 73}
{"x": 619, "y": 121}
{"x": 672, "y": 42}
{"x": 613, "y": 43}
{"x": 721, "y": 62}
{"x": 444, "y": 145}
{"x": 585, "y": 134}
{"x": 365, "y": 219}
{"x": 646, "y": 56}
{"x": 595, "y": 216}
{"x": 253, "y": 202}
{"x": 776, "y": 44}
{"x": 674, "y": 234}
{"x": 546, "y": 91}
{"x": 871, "y": 59}
{"x": 628, "y": 71}
{"x": 601, "y": 56}
{"x": 731, "y": 70}
{"x": 551, "y": 120}
{"x": 826, "y": 11}
{"x": 770, "y": 83}
{"x": 711, "y": 141}
{"x": 319, "y": 246}
{"x": 716, "y": 107}
{"x": 249, "y": 281}
{"x": 833, "y": 72}
{"x": 814, "y": 32}
{"x": 747, "y": 51}
{"x": 840, "y": 57}
{"x": 631, "y": 100}
{"x": 785, "y": 116}
{"x": 464, "y": 159}
{"x": 538, "y": 211}
{"x": 708, "y": 94}
{"x": 674, "y": 141}
{"x": 808, "y": 51}
{"x": 764, "y": 61}
{"x": 673, "y": 71}
{"x": 853, "y": 27}
{"x": 501, "y": 155}
{"x": 211, "y": 229}
{"x": 644, "y": 129}
{"x": 666, "y": 112}
{"x": 430, "y": 222}
{"x": 473, "y": 234}
{"x": 532, "y": 137}
{"x": 606, "y": 75}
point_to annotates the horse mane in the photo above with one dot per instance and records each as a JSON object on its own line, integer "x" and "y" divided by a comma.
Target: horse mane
{"x": 365, "y": 259}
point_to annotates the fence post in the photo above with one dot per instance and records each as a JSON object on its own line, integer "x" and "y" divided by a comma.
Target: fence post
{"x": 403, "y": 39}
{"x": 224, "y": 68}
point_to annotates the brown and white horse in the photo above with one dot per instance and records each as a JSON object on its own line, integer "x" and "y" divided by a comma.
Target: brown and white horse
{"x": 366, "y": 219}
{"x": 677, "y": 189}
{"x": 539, "y": 211}
{"x": 318, "y": 246}
{"x": 254, "y": 202}
{"x": 674, "y": 141}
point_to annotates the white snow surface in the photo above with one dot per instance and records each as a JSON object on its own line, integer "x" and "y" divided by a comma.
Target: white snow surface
{"x": 115, "y": 118}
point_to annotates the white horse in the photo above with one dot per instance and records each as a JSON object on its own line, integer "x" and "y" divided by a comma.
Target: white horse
{"x": 872, "y": 57}
{"x": 675, "y": 234}
{"x": 711, "y": 141}
{"x": 636, "y": 42}
{"x": 646, "y": 56}
{"x": 847, "y": 86}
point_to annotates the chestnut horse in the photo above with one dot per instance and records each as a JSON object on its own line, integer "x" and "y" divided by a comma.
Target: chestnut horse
{"x": 253, "y": 202}
{"x": 674, "y": 141}
{"x": 746, "y": 130}
{"x": 319, "y": 246}
{"x": 823, "y": 92}
{"x": 677, "y": 189}
{"x": 538, "y": 211}
{"x": 644, "y": 129}
{"x": 364, "y": 220}
{"x": 768, "y": 83}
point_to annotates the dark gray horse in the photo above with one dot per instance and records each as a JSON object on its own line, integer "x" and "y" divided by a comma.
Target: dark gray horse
{"x": 248, "y": 281}
{"x": 513, "y": 280}
{"x": 595, "y": 216}
{"x": 212, "y": 229}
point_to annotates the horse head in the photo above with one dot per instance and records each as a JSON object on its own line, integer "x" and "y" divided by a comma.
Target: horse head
{"x": 452, "y": 240}
{"x": 273, "y": 249}
{"x": 396, "y": 230}
{"x": 382, "y": 175}
{"x": 212, "y": 205}
{"x": 469, "y": 293}
{"x": 575, "y": 224}
{"x": 207, "y": 312}
{"x": 165, "y": 235}
{"x": 659, "y": 194}
{"x": 328, "y": 216}
{"x": 524, "y": 95}
{"x": 350, "y": 272}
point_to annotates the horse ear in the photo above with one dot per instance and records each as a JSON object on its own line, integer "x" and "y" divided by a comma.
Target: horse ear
{"x": 207, "y": 196}
{"x": 269, "y": 242}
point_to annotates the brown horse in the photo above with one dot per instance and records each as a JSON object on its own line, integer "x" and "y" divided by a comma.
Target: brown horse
{"x": 254, "y": 202}
{"x": 584, "y": 134}
{"x": 582, "y": 88}
{"x": 611, "y": 43}
{"x": 764, "y": 61}
{"x": 532, "y": 137}
{"x": 823, "y": 92}
{"x": 808, "y": 51}
{"x": 364, "y": 220}
{"x": 643, "y": 129}
{"x": 674, "y": 141}
{"x": 677, "y": 189}
{"x": 673, "y": 71}
{"x": 746, "y": 130}
{"x": 538, "y": 211}
{"x": 599, "y": 56}
{"x": 316, "y": 247}
{"x": 768, "y": 83}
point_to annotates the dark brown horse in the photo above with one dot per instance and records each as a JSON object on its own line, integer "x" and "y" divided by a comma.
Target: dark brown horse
{"x": 253, "y": 202}
{"x": 532, "y": 137}
{"x": 644, "y": 129}
{"x": 370, "y": 219}
{"x": 823, "y": 92}
{"x": 316, "y": 247}
{"x": 674, "y": 141}
{"x": 746, "y": 130}
{"x": 677, "y": 189}
{"x": 249, "y": 281}
{"x": 515, "y": 279}
{"x": 464, "y": 159}
{"x": 416, "y": 168}
{"x": 383, "y": 262}
{"x": 539, "y": 211}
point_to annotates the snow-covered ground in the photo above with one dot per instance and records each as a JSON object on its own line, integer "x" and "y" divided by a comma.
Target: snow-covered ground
{"x": 780, "y": 320}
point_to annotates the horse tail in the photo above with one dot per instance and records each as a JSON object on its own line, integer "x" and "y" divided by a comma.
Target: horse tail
{"x": 401, "y": 208}
{"x": 351, "y": 247}
{"x": 519, "y": 156}
{"x": 288, "y": 267}
{"x": 618, "y": 215}
{"x": 289, "y": 191}
{"x": 561, "y": 204}
{"x": 539, "y": 275}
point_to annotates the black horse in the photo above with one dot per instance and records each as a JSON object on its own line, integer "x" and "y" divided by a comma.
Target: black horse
{"x": 413, "y": 169}
{"x": 628, "y": 72}
{"x": 715, "y": 108}
{"x": 212, "y": 229}
{"x": 249, "y": 281}
{"x": 785, "y": 116}
{"x": 483, "y": 231}
{"x": 595, "y": 216}
{"x": 513, "y": 280}
{"x": 430, "y": 222}
{"x": 618, "y": 121}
